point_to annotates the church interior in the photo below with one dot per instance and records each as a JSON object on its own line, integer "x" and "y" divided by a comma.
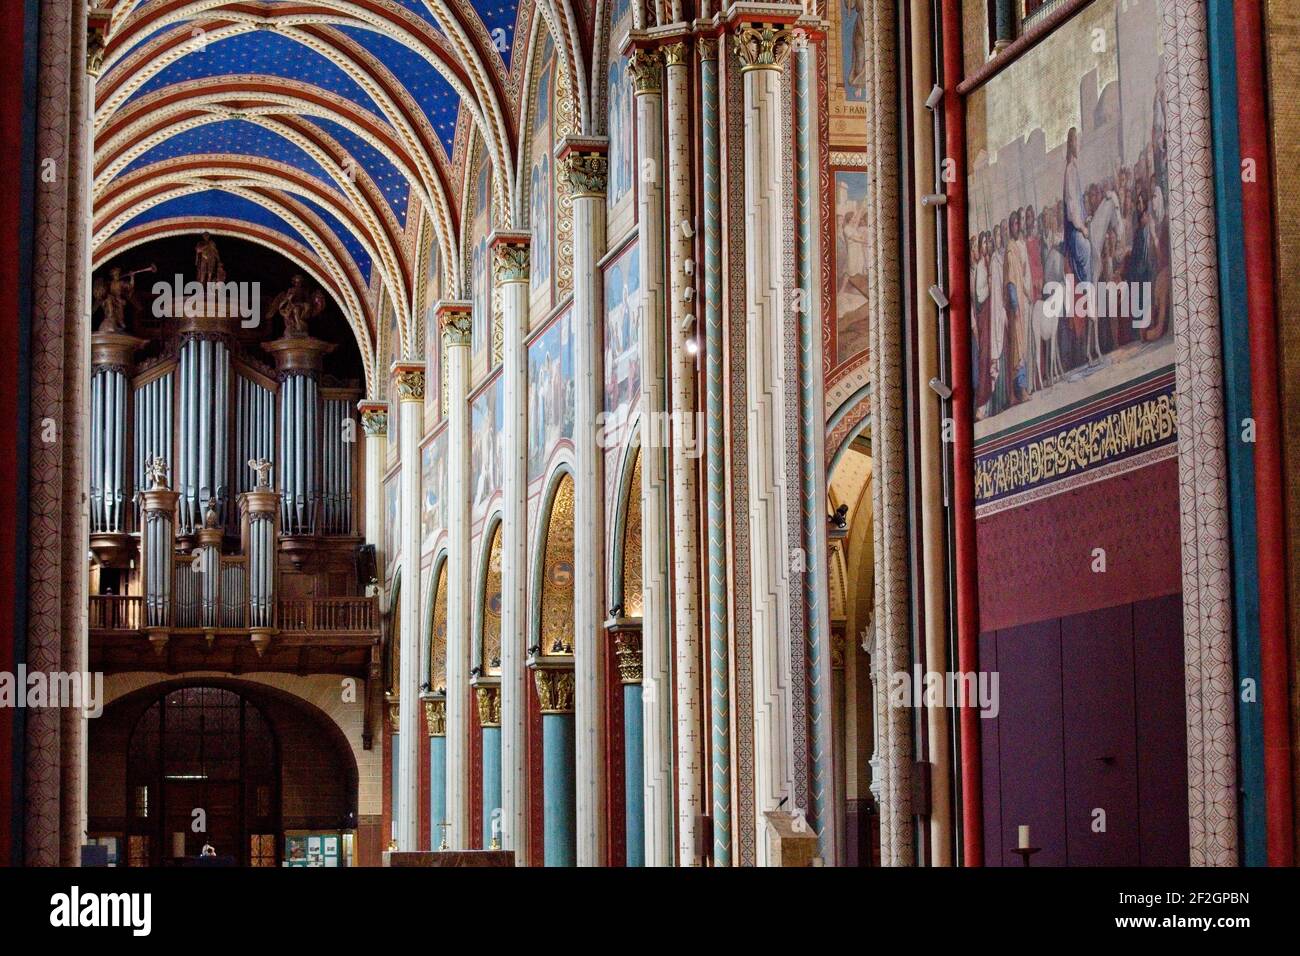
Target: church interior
{"x": 648, "y": 433}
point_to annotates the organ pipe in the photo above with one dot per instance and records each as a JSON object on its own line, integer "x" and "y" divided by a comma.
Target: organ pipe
{"x": 112, "y": 359}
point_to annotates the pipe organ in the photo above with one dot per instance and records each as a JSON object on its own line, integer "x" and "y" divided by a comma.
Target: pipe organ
{"x": 204, "y": 425}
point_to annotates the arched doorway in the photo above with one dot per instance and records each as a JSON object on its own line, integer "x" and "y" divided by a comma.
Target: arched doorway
{"x": 203, "y": 767}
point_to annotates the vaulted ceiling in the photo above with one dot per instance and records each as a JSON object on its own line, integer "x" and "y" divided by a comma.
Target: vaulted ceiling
{"x": 327, "y": 130}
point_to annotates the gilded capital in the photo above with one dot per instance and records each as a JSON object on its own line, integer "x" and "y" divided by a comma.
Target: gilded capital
{"x": 97, "y": 24}
{"x": 510, "y": 260}
{"x": 456, "y": 323}
{"x": 585, "y": 174}
{"x": 646, "y": 67}
{"x": 410, "y": 382}
{"x": 374, "y": 420}
{"x": 554, "y": 690}
{"x": 762, "y": 46}
{"x": 489, "y": 705}
{"x": 435, "y": 715}
{"x": 627, "y": 652}
{"x": 674, "y": 53}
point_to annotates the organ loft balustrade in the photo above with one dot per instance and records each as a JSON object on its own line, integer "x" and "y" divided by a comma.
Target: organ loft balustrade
{"x": 225, "y": 500}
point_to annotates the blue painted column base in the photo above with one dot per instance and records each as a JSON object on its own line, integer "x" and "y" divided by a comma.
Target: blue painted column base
{"x": 559, "y": 798}
{"x": 491, "y": 786}
{"x": 633, "y": 775}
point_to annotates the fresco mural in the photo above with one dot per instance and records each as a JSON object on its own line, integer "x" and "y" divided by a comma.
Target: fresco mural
{"x": 392, "y": 519}
{"x": 622, "y": 344}
{"x": 852, "y": 229}
{"x": 620, "y": 201}
{"x": 433, "y": 484}
{"x": 847, "y": 73}
{"x": 540, "y": 185}
{"x": 487, "y": 428}
{"x": 550, "y": 393}
{"x": 1069, "y": 234}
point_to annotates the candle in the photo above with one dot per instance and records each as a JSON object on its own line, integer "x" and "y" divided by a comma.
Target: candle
{"x": 1024, "y": 836}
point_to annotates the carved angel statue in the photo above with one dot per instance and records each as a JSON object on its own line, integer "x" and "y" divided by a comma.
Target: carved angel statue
{"x": 296, "y": 305}
{"x": 155, "y": 469}
{"x": 207, "y": 261}
{"x": 111, "y": 296}
{"x": 263, "y": 468}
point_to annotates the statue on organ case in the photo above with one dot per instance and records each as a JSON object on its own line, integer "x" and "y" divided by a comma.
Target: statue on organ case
{"x": 295, "y": 305}
{"x": 207, "y": 261}
{"x": 262, "y": 467}
{"x": 111, "y": 297}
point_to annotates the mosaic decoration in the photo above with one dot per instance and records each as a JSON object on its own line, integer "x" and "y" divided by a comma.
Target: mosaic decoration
{"x": 556, "y": 635}
{"x": 490, "y": 656}
{"x": 438, "y": 633}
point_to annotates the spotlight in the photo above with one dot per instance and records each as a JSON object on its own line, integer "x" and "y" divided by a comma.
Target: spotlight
{"x": 940, "y": 389}
{"x": 935, "y": 97}
{"x": 934, "y": 199}
{"x": 687, "y": 229}
{"x": 940, "y": 299}
{"x": 692, "y": 346}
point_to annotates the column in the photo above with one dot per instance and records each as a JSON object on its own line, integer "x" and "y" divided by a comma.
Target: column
{"x": 157, "y": 552}
{"x": 715, "y": 455}
{"x": 555, "y": 693}
{"x": 454, "y": 317}
{"x": 584, "y": 170}
{"x": 761, "y": 49}
{"x": 645, "y": 65}
{"x": 626, "y": 634}
{"x": 374, "y": 423}
{"x": 409, "y": 378}
{"x": 510, "y": 269}
{"x": 435, "y": 718}
{"x": 489, "y": 721}
{"x": 685, "y": 449}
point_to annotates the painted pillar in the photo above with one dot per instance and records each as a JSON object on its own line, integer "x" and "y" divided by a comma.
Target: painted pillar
{"x": 435, "y": 719}
{"x": 934, "y": 567}
{"x": 645, "y": 66}
{"x": 583, "y": 170}
{"x": 555, "y": 693}
{"x": 762, "y": 49}
{"x": 827, "y": 796}
{"x": 510, "y": 268}
{"x": 409, "y": 377}
{"x": 685, "y": 448}
{"x": 489, "y": 720}
{"x": 455, "y": 320}
{"x": 374, "y": 423}
{"x": 627, "y": 651}
{"x": 716, "y": 456}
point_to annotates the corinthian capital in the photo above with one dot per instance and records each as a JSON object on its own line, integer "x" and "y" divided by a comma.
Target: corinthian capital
{"x": 762, "y": 46}
{"x": 455, "y": 319}
{"x": 410, "y": 382}
{"x": 646, "y": 67}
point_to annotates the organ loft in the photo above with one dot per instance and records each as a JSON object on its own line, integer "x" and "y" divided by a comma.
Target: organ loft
{"x": 224, "y": 501}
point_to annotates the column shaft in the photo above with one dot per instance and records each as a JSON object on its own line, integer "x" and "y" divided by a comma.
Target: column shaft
{"x": 512, "y": 285}
{"x": 656, "y": 688}
{"x": 766, "y": 389}
{"x": 407, "y": 799}
{"x": 685, "y": 453}
{"x": 585, "y": 171}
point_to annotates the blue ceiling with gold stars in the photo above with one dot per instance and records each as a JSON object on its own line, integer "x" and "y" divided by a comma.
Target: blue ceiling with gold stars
{"x": 264, "y": 56}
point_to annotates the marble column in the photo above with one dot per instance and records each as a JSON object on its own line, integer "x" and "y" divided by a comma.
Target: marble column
{"x": 685, "y": 448}
{"x": 646, "y": 67}
{"x": 510, "y": 269}
{"x": 555, "y": 694}
{"x": 583, "y": 172}
{"x": 409, "y": 377}
{"x": 488, "y": 697}
{"x": 454, "y": 318}
{"x": 435, "y": 719}
{"x": 627, "y": 651}
{"x": 762, "y": 49}
{"x": 374, "y": 423}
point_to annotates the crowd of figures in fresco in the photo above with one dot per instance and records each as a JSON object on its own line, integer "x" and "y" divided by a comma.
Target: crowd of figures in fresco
{"x": 1113, "y": 233}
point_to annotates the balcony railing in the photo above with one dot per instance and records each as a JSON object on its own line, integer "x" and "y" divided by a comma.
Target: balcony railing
{"x": 350, "y": 615}
{"x": 116, "y": 612}
{"x": 334, "y": 615}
